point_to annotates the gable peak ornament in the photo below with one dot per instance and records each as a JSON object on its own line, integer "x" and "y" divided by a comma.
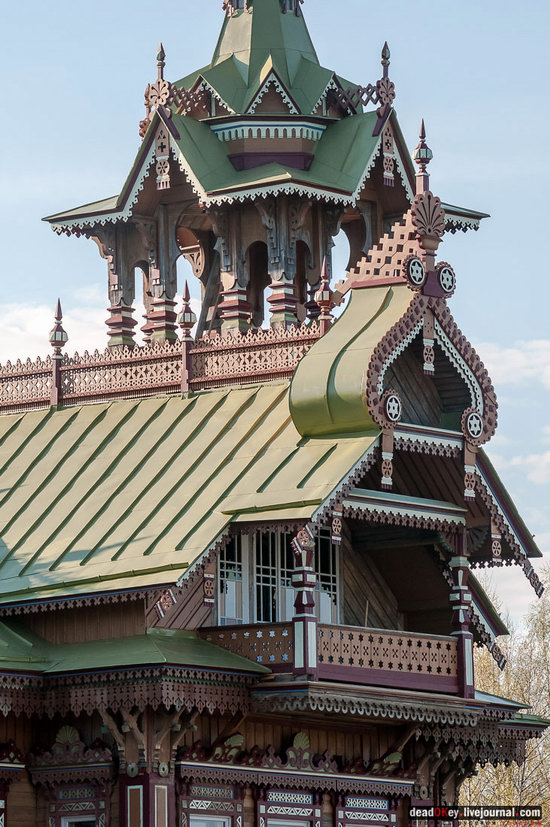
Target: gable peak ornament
{"x": 158, "y": 94}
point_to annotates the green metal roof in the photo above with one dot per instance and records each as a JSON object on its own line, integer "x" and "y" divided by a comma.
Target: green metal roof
{"x": 23, "y": 651}
{"x": 252, "y": 44}
{"x": 327, "y": 393}
{"x": 128, "y": 494}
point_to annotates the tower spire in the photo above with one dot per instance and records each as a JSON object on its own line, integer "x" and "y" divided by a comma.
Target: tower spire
{"x": 422, "y": 157}
{"x": 161, "y": 62}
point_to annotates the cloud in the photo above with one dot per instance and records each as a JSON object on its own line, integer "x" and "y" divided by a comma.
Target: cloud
{"x": 25, "y": 327}
{"x": 536, "y": 466}
{"x": 524, "y": 361}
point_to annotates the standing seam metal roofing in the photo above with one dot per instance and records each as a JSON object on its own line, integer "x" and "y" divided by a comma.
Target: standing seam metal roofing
{"x": 128, "y": 494}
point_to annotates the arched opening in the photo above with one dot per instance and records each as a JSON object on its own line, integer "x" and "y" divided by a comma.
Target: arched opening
{"x": 258, "y": 281}
{"x": 301, "y": 283}
{"x": 340, "y": 256}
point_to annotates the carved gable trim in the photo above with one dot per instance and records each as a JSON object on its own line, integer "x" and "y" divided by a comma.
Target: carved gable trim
{"x": 454, "y": 344}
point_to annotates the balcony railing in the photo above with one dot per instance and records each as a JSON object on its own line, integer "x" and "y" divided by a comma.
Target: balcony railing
{"x": 348, "y": 654}
{"x": 123, "y": 373}
{"x": 271, "y": 644}
{"x": 386, "y": 658}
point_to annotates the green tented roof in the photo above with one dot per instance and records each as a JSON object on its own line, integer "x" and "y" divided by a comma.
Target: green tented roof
{"x": 23, "y": 651}
{"x": 252, "y": 44}
{"x": 341, "y": 160}
{"x": 128, "y": 494}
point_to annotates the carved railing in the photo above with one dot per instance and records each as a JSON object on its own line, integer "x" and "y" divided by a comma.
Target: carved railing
{"x": 258, "y": 356}
{"x": 387, "y": 658}
{"x": 270, "y": 644}
{"x": 349, "y": 654}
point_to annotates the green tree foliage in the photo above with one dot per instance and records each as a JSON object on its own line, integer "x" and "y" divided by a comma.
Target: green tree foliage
{"x": 526, "y": 678}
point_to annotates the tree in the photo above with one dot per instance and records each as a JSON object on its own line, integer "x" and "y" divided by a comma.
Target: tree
{"x": 526, "y": 678}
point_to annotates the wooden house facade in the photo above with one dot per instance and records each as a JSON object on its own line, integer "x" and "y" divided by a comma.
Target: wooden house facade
{"x": 237, "y": 561}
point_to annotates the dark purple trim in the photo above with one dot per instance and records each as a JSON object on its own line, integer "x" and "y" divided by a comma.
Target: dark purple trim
{"x": 251, "y": 160}
{"x": 379, "y": 677}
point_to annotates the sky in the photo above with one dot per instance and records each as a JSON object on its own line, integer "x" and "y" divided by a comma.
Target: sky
{"x": 73, "y": 75}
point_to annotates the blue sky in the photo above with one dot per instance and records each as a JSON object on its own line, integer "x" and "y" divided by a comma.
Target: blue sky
{"x": 73, "y": 79}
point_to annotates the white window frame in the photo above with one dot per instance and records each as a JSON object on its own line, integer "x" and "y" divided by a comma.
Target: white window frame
{"x": 68, "y": 821}
{"x": 194, "y": 817}
{"x": 280, "y": 578}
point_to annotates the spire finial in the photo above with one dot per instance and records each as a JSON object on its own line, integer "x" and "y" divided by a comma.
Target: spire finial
{"x": 186, "y": 318}
{"x": 58, "y": 337}
{"x": 161, "y": 58}
{"x": 422, "y": 157}
{"x": 386, "y": 55}
{"x": 323, "y": 297}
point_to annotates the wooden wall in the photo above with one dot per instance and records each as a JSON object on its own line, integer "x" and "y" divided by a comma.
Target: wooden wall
{"x": 114, "y": 620}
{"x": 363, "y": 583}
{"x": 349, "y": 740}
{"x": 189, "y": 610}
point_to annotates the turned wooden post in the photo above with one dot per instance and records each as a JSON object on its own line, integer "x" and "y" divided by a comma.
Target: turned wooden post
{"x": 461, "y": 600}
{"x": 304, "y": 621}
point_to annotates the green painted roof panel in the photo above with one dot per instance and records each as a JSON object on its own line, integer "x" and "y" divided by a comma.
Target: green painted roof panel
{"x": 128, "y": 494}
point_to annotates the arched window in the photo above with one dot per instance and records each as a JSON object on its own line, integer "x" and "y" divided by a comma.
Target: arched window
{"x": 258, "y": 270}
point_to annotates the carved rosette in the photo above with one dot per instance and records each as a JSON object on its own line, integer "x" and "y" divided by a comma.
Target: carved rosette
{"x": 388, "y": 151}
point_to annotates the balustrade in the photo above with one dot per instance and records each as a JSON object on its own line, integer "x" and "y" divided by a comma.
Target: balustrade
{"x": 349, "y": 654}
{"x": 125, "y": 373}
{"x": 270, "y": 644}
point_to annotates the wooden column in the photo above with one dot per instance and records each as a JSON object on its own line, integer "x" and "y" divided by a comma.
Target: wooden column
{"x": 461, "y": 600}
{"x": 304, "y": 621}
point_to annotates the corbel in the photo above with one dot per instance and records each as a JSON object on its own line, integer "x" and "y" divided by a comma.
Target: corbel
{"x": 470, "y": 470}
{"x": 179, "y": 730}
{"x": 387, "y": 459}
{"x": 106, "y": 240}
{"x": 131, "y": 726}
{"x": 429, "y": 342}
{"x": 337, "y": 524}
{"x": 496, "y": 542}
{"x": 229, "y": 729}
{"x": 173, "y": 725}
{"x": 116, "y": 735}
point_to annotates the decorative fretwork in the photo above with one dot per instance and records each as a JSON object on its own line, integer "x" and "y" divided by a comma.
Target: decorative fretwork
{"x": 397, "y": 652}
{"x": 271, "y": 644}
{"x": 381, "y": 94}
{"x": 261, "y": 355}
{"x": 258, "y": 355}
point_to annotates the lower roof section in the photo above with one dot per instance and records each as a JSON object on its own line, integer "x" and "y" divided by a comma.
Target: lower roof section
{"x": 129, "y": 494}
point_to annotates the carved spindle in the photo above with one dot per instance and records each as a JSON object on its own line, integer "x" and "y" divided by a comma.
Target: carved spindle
{"x": 187, "y": 321}
{"x": 121, "y": 325}
{"x": 423, "y": 155}
{"x": 58, "y": 340}
{"x": 323, "y": 298}
{"x": 163, "y": 318}
{"x": 304, "y": 621}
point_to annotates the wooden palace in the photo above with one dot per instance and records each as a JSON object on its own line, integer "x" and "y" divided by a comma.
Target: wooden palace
{"x": 237, "y": 559}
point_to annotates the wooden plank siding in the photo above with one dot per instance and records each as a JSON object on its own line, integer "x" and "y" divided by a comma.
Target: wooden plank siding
{"x": 363, "y": 583}
{"x": 189, "y": 610}
{"x": 79, "y": 625}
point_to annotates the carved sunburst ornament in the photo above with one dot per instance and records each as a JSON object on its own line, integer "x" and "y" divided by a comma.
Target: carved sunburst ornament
{"x": 159, "y": 93}
{"x": 428, "y": 216}
{"x": 386, "y": 91}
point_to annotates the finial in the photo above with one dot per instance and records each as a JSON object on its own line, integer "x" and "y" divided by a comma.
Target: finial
{"x": 58, "y": 337}
{"x": 161, "y": 57}
{"x": 186, "y": 318}
{"x": 386, "y": 55}
{"x": 422, "y": 157}
{"x": 323, "y": 297}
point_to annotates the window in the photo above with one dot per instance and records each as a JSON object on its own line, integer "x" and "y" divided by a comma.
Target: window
{"x": 255, "y": 579}
{"x": 233, "y": 569}
{"x": 209, "y": 821}
{"x": 82, "y": 821}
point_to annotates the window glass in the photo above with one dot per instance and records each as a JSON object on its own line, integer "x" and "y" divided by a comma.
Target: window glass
{"x": 231, "y": 583}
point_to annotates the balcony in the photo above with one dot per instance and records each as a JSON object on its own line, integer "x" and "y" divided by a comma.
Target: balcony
{"x": 349, "y": 654}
